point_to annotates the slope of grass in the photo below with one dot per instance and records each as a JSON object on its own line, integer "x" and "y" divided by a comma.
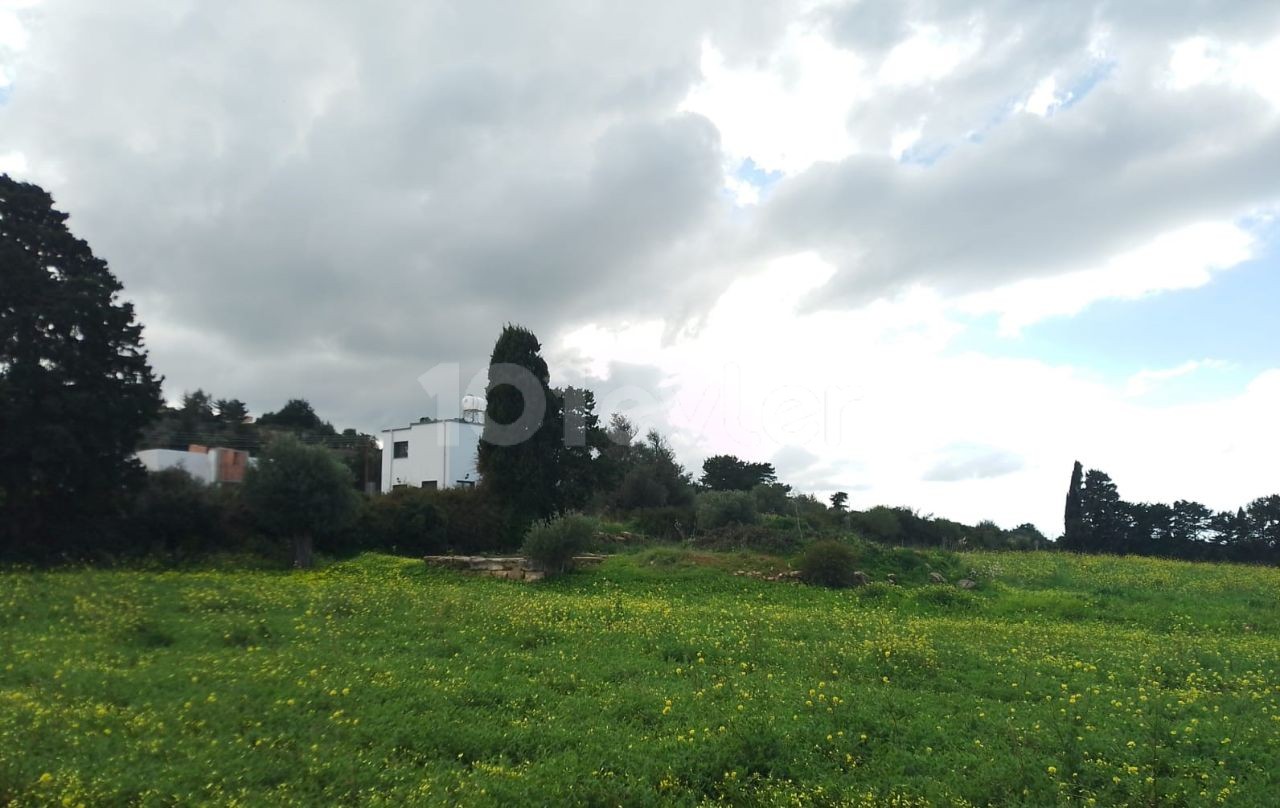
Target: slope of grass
{"x": 1059, "y": 681}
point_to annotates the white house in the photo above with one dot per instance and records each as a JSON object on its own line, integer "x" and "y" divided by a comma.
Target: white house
{"x": 216, "y": 465}
{"x": 434, "y": 453}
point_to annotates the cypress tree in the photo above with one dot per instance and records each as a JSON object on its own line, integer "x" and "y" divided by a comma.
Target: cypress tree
{"x": 1072, "y": 538}
{"x": 519, "y": 456}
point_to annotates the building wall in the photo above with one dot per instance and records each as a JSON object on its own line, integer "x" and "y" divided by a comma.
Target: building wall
{"x": 441, "y": 451}
{"x": 217, "y": 465}
{"x": 200, "y": 465}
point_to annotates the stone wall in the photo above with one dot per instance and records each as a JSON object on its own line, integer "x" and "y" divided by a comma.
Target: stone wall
{"x": 514, "y": 568}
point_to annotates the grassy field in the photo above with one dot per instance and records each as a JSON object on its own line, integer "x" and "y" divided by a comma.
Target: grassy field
{"x": 1059, "y": 681}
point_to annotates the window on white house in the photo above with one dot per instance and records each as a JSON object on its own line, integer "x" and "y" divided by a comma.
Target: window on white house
{"x": 400, "y": 449}
{"x": 431, "y": 484}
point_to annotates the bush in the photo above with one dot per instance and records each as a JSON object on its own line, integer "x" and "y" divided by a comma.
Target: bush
{"x": 720, "y": 508}
{"x": 828, "y": 563}
{"x": 406, "y": 521}
{"x": 176, "y": 516}
{"x": 670, "y": 523}
{"x": 554, "y": 543}
{"x": 772, "y": 498}
{"x": 474, "y": 521}
{"x": 640, "y": 489}
{"x": 755, "y": 538}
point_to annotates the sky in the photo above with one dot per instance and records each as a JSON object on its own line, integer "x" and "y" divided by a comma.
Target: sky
{"x": 928, "y": 253}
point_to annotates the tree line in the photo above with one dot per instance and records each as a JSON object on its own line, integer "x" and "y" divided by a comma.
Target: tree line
{"x": 78, "y": 397}
{"x": 1097, "y": 520}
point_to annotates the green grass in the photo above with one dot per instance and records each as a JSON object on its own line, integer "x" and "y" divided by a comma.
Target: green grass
{"x": 657, "y": 678}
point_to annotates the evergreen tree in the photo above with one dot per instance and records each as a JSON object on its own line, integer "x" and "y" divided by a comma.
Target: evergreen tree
{"x": 231, "y": 411}
{"x": 729, "y": 473}
{"x": 75, "y": 386}
{"x": 1103, "y": 514}
{"x": 1073, "y": 528}
{"x": 297, "y": 415}
{"x": 584, "y": 442}
{"x": 839, "y": 501}
{"x": 521, "y": 448}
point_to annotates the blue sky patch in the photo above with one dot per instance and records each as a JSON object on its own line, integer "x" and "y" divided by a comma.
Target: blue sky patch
{"x": 1231, "y": 319}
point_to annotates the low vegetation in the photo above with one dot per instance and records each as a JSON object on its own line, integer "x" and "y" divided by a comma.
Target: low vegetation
{"x": 658, "y": 678}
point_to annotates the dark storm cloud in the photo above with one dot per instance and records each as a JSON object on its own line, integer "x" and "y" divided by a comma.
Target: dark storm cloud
{"x": 313, "y": 192}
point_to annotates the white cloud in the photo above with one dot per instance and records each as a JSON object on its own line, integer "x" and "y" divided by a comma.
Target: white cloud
{"x": 926, "y": 56}
{"x": 1199, "y": 61}
{"x": 13, "y": 34}
{"x": 14, "y": 163}
{"x": 883, "y": 406}
{"x": 787, "y": 112}
{"x": 1044, "y": 99}
{"x": 1181, "y": 259}
{"x": 1144, "y": 381}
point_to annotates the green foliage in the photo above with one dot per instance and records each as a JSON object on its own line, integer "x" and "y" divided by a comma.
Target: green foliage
{"x": 520, "y": 451}
{"x": 719, "y": 508}
{"x": 772, "y": 498}
{"x": 301, "y": 493}
{"x": 554, "y": 543}
{"x": 828, "y": 562}
{"x": 176, "y": 517}
{"x": 753, "y": 538}
{"x": 296, "y": 415}
{"x": 839, "y": 501}
{"x": 1073, "y": 534}
{"x": 669, "y": 523}
{"x": 729, "y": 473}
{"x": 407, "y": 521}
{"x": 474, "y": 520}
{"x": 640, "y": 488}
{"x": 75, "y": 385}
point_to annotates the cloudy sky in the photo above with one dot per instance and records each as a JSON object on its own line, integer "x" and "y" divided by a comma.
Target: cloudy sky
{"x": 928, "y": 253}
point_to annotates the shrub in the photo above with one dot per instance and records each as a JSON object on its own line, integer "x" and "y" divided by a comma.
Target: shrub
{"x": 474, "y": 521}
{"x": 756, "y": 538}
{"x": 720, "y": 508}
{"x": 640, "y": 489}
{"x": 554, "y": 543}
{"x": 406, "y": 521}
{"x": 828, "y": 563}
{"x": 772, "y": 498}
{"x": 669, "y": 523}
{"x": 175, "y": 515}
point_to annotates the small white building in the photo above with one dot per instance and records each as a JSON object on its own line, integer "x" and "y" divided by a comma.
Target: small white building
{"x": 216, "y": 465}
{"x": 434, "y": 453}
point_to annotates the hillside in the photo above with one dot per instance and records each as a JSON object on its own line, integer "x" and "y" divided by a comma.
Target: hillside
{"x": 1059, "y": 680}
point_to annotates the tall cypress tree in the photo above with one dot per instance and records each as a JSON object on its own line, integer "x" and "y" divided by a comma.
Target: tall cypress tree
{"x": 520, "y": 451}
{"x": 75, "y": 386}
{"x": 1072, "y": 536}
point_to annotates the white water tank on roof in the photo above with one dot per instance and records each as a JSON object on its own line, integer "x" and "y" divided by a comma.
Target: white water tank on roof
{"x": 473, "y": 409}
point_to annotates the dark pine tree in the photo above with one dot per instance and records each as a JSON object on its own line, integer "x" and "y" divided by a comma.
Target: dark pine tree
{"x": 1073, "y": 527}
{"x": 1103, "y": 514}
{"x": 75, "y": 386}
{"x": 520, "y": 452}
{"x": 729, "y": 473}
